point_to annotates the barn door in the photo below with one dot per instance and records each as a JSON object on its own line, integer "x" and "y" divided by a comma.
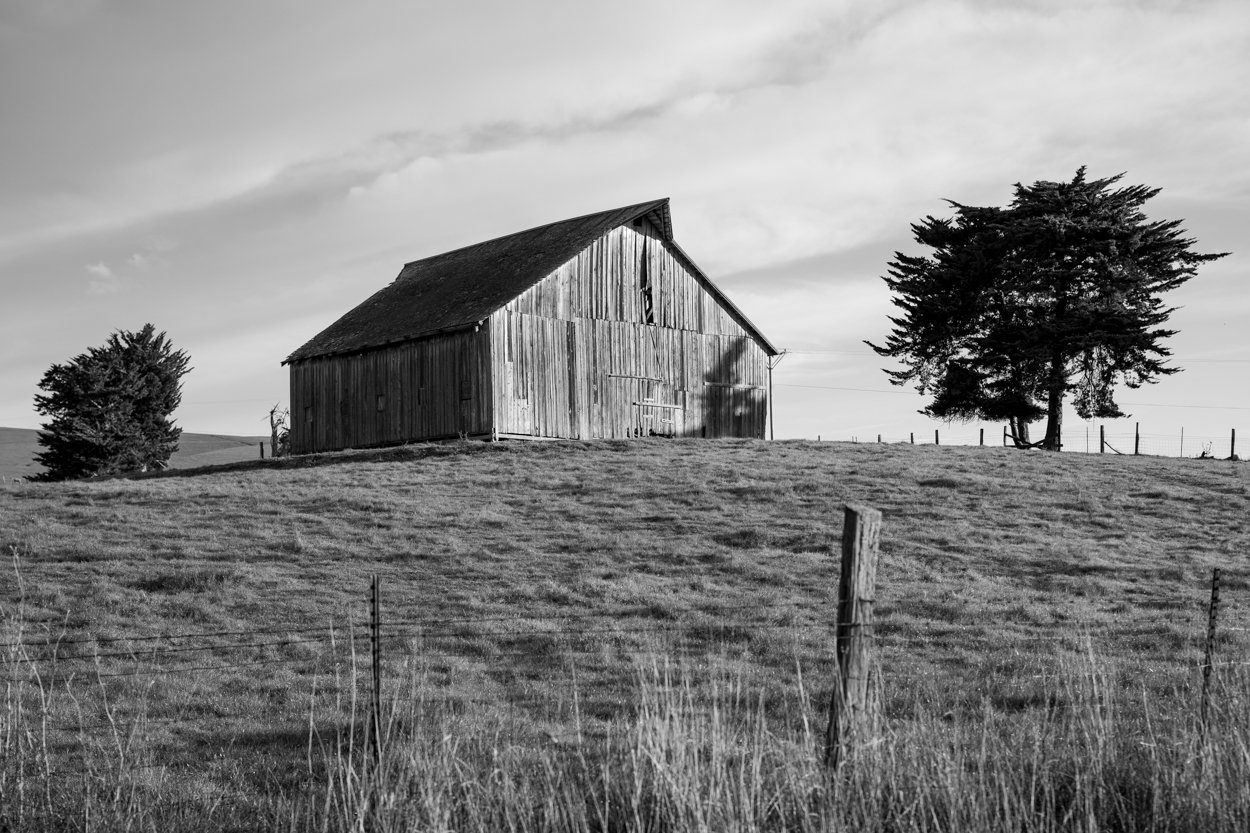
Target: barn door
{"x": 661, "y": 411}
{"x": 632, "y": 406}
{"x": 661, "y": 420}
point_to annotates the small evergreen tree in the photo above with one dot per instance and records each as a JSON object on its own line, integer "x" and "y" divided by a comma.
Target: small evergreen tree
{"x": 109, "y": 408}
{"x": 1017, "y": 307}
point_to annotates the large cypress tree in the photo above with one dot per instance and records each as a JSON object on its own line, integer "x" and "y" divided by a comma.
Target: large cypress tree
{"x": 1056, "y": 294}
{"x": 109, "y": 408}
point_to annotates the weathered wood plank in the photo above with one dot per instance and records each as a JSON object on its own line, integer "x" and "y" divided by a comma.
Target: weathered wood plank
{"x": 548, "y": 363}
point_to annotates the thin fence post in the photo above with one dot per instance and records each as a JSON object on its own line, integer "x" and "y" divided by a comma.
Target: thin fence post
{"x": 1212, "y": 614}
{"x": 913, "y": 437}
{"x": 1232, "y": 445}
{"x": 851, "y": 714}
{"x": 983, "y": 436}
{"x": 936, "y": 440}
{"x": 1182, "y": 454}
{"x": 1136, "y": 438}
{"x": 1102, "y": 439}
{"x": 375, "y": 638}
{"x": 262, "y": 450}
{"x": 878, "y": 439}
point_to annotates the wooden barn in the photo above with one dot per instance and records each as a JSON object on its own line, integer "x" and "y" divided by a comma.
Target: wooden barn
{"x": 599, "y": 326}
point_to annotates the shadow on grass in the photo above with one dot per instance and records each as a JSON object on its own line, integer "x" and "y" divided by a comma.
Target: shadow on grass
{"x": 389, "y": 454}
{"x": 185, "y": 581}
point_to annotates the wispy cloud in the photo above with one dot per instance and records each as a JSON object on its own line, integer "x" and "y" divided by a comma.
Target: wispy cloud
{"x": 798, "y": 140}
{"x": 101, "y": 280}
{"x": 152, "y": 253}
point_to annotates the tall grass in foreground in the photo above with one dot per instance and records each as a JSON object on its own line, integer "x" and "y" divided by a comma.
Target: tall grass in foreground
{"x": 1086, "y": 762}
{"x": 687, "y": 757}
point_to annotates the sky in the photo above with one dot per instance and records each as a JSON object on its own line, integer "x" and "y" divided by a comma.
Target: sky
{"x": 241, "y": 173}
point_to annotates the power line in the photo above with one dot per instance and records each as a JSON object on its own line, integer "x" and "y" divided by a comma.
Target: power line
{"x": 801, "y": 351}
{"x": 1133, "y": 404}
{"x": 1203, "y": 407}
{"x": 829, "y": 387}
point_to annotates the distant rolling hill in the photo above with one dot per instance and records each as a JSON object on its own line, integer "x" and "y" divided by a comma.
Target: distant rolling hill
{"x": 18, "y": 447}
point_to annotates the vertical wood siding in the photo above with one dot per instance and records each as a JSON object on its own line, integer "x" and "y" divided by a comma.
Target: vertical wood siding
{"x": 576, "y": 356}
{"x": 584, "y": 353}
{"x": 431, "y": 388}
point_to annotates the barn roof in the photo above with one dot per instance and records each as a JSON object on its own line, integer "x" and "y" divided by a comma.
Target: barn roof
{"x": 463, "y": 287}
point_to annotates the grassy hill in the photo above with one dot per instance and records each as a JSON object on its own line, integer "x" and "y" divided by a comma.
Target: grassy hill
{"x": 200, "y": 634}
{"x": 18, "y": 447}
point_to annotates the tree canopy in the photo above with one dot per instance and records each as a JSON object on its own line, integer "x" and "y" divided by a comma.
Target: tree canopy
{"x": 109, "y": 408}
{"x": 1016, "y": 308}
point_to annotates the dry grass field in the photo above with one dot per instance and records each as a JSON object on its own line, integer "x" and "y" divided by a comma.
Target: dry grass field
{"x": 577, "y": 634}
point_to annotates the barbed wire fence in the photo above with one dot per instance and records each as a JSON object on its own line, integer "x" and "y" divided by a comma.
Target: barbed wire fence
{"x": 1093, "y": 440}
{"x": 544, "y": 661}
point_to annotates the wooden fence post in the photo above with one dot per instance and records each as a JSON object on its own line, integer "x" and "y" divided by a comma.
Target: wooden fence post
{"x": 1102, "y": 439}
{"x": 851, "y": 711}
{"x": 1232, "y": 445}
{"x": 1136, "y": 438}
{"x": 262, "y": 450}
{"x": 1212, "y": 614}
{"x": 375, "y": 639}
{"x": 982, "y": 436}
{"x": 936, "y": 439}
{"x": 913, "y": 437}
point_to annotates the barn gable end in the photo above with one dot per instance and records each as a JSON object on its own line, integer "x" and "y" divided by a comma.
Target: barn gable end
{"x": 599, "y": 326}
{"x": 625, "y": 339}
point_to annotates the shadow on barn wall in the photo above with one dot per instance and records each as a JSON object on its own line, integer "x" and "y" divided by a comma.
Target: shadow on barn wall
{"x": 730, "y": 411}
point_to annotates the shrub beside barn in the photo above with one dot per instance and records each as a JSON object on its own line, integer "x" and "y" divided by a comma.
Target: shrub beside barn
{"x": 594, "y": 327}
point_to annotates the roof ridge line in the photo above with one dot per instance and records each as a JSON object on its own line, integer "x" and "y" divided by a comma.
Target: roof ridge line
{"x": 650, "y": 205}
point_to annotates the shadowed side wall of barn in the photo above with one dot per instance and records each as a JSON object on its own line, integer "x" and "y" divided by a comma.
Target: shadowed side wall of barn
{"x": 430, "y": 388}
{"x": 625, "y": 340}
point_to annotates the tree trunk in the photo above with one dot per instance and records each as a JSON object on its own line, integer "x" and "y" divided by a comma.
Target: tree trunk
{"x": 1058, "y": 377}
{"x": 1053, "y": 441}
{"x": 1019, "y": 432}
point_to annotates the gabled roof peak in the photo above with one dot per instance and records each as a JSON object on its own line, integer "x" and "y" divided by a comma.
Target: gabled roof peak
{"x": 656, "y": 211}
{"x": 462, "y": 287}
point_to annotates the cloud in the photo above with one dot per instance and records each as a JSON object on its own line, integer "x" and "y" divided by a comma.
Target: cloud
{"x": 797, "y": 140}
{"x": 188, "y": 156}
{"x": 151, "y": 253}
{"x": 102, "y": 281}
